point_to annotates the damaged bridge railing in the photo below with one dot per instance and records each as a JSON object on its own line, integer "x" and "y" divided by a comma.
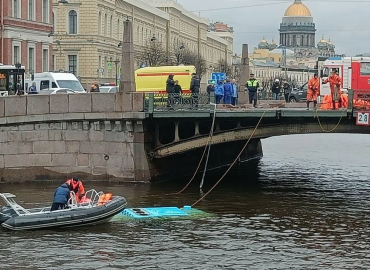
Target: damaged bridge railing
{"x": 177, "y": 102}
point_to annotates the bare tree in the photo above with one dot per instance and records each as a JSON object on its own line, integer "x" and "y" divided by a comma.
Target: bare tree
{"x": 224, "y": 67}
{"x": 201, "y": 66}
{"x": 184, "y": 56}
{"x": 154, "y": 55}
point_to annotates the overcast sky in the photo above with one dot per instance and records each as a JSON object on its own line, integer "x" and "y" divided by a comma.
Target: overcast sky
{"x": 346, "y": 22}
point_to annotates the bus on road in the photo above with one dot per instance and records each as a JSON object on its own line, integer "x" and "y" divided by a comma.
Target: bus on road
{"x": 11, "y": 79}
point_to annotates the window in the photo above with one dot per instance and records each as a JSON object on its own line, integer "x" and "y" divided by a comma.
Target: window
{"x": 72, "y": 64}
{"x": 72, "y": 22}
{"x": 16, "y": 56}
{"x": 31, "y": 60}
{"x": 45, "y": 60}
{"x": 111, "y": 26}
{"x": 44, "y": 85}
{"x": 45, "y": 11}
{"x": 53, "y": 62}
{"x": 99, "y": 64}
{"x": 105, "y": 25}
{"x": 16, "y": 7}
{"x": 31, "y": 10}
{"x": 99, "y": 23}
{"x": 118, "y": 31}
{"x": 365, "y": 69}
{"x": 53, "y": 21}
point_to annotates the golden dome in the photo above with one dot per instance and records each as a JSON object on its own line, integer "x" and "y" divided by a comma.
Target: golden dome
{"x": 323, "y": 40}
{"x": 329, "y": 42}
{"x": 297, "y": 9}
{"x": 272, "y": 42}
{"x": 263, "y": 40}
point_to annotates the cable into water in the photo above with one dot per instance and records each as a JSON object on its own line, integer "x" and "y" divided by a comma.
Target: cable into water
{"x": 204, "y": 152}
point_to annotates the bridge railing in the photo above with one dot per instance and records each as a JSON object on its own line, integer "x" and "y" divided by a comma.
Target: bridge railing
{"x": 177, "y": 102}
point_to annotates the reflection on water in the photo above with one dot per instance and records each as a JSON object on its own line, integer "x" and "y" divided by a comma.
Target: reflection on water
{"x": 306, "y": 206}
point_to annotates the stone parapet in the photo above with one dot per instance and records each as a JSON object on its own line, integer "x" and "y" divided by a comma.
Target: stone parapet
{"x": 42, "y": 105}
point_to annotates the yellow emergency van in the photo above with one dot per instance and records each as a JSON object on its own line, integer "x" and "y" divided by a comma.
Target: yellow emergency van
{"x": 153, "y": 79}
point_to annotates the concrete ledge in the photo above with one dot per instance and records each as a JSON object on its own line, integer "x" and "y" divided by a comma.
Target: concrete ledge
{"x": 38, "y": 104}
{"x": 103, "y": 102}
{"x": 79, "y": 103}
{"x": 15, "y": 105}
{"x": 2, "y": 107}
{"x": 59, "y": 104}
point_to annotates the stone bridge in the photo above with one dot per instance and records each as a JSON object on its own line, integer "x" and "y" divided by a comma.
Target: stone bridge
{"x": 127, "y": 137}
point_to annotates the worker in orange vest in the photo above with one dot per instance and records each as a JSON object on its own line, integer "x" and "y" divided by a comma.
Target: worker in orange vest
{"x": 76, "y": 186}
{"x": 313, "y": 90}
{"x": 335, "y": 83}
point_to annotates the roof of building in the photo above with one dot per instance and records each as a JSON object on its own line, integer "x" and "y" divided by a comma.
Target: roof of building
{"x": 297, "y": 9}
{"x": 175, "y": 5}
{"x": 280, "y": 51}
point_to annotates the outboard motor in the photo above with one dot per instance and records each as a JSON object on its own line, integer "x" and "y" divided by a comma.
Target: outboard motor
{"x": 6, "y": 212}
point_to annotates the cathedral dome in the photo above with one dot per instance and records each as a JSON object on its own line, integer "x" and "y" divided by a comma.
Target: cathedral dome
{"x": 323, "y": 44}
{"x": 297, "y": 9}
{"x": 263, "y": 44}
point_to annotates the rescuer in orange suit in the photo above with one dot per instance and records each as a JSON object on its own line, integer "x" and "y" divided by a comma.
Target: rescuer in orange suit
{"x": 76, "y": 186}
{"x": 335, "y": 83}
{"x": 313, "y": 90}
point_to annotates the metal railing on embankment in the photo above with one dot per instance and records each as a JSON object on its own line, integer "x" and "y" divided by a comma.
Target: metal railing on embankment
{"x": 177, "y": 102}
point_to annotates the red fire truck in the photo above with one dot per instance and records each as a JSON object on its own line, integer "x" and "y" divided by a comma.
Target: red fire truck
{"x": 354, "y": 71}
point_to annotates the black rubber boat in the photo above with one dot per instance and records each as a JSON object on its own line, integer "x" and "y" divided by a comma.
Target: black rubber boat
{"x": 15, "y": 217}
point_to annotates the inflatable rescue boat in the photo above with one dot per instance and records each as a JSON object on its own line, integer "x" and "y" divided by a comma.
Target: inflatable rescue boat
{"x": 100, "y": 208}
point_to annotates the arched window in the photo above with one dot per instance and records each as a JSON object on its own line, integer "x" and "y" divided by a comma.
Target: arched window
{"x": 72, "y": 22}
{"x": 99, "y": 23}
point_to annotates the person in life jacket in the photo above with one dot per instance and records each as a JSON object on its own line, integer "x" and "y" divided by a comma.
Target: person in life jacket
{"x": 313, "y": 91}
{"x": 84, "y": 199}
{"x": 335, "y": 83}
{"x": 76, "y": 186}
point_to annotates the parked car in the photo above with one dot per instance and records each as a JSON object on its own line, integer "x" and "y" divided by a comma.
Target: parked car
{"x": 298, "y": 94}
{"x": 108, "y": 89}
{"x": 52, "y": 91}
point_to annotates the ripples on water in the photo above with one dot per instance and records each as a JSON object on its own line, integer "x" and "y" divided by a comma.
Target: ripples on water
{"x": 304, "y": 207}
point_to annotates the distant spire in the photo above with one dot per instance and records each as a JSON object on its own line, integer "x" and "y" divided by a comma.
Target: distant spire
{"x": 297, "y": 2}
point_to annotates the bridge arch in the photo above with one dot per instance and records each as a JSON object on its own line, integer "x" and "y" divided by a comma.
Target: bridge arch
{"x": 264, "y": 131}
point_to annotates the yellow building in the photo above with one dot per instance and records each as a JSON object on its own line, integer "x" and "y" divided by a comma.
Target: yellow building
{"x": 87, "y": 34}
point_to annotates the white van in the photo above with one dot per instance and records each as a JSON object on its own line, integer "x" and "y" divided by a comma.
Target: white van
{"x": 47, "y": 80}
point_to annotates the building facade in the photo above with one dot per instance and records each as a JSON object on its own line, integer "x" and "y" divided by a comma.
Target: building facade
{"x": 87, "y": 34}
{"x": 26, "y": 36}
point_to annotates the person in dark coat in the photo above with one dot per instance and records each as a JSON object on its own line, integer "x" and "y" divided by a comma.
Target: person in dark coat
{"x": 177, "y": 88}
{"x": 195, "y": 89}
{"x": 275, "y": 89}
{"x": 61, "y": 197}
{"x": 170, "y": 89}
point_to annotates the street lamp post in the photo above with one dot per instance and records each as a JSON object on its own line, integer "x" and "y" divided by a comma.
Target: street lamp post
{"x": 18, "y": 84}
{"x": 116, "y": 63}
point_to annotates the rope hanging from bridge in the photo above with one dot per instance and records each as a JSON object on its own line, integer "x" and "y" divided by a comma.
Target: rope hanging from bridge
{"x": 209, "y": 150}
{"x": 336, "y": 126}
{"x": 241, "y": 152}
{"x": 236, "y": 159}
{"x": 208, "y": 146}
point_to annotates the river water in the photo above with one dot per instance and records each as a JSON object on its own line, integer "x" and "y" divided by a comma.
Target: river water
{"x": 305, "y": 206}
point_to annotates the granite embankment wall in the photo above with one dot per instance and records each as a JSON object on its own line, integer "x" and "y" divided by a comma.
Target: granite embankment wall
{"x": 94, "y": 136}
